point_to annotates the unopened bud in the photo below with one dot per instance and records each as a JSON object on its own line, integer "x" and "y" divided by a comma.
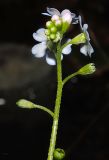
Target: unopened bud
{"x": 53, "y": 29}
{"x": 78, "y": 39}
{"x": 58, "y": 37}
{"x": 55, "y": 18}
{"x": 52, "y": 36}
{"x": 25, "y": 104}
{"x": 49, "y": 24}
{"x": 59, "y": 154}
{"x": 58, "y": 23}
{"x": 87, "y": 69}
{"x": 67, "y": 18}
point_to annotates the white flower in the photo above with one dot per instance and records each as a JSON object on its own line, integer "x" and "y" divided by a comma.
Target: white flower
{"x": 66, "y": 15}
{"x": 86, "y": 49}
{"x": 39, "y": 50}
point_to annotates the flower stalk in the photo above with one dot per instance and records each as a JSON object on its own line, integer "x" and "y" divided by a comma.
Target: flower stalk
{"x": 57, "y": 105}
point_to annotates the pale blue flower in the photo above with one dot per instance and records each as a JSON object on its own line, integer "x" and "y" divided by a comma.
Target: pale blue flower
{"x": 53, "y": 11}
{"x": 40, "y": 49}
{"x": 86, "y": 48}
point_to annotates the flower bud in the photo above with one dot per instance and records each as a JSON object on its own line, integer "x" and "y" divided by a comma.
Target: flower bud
{"x": 55, "y": 18}
{"x": 58, "y": 24}
{"x": 78, "y": 39}
{"x": 67, "y": 18}
{"x": 87, "y": 69}
{"x": 52, "y": 36}
{"x": 49, "y": 24}
{"x": 25, "y": 104}
{"x": 59, "y": 154}
{"x": 53, "y": 29}
{"x": 58, "y": 37}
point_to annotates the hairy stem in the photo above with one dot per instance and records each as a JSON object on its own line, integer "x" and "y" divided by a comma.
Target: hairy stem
{"x": 57, "y": 105}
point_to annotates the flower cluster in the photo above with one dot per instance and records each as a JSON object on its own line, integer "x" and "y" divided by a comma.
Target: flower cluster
{"x": 54, "y": 31}
{"x": 59, "y": 23}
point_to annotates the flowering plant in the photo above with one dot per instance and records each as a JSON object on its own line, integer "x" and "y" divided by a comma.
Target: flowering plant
{"x": 50, "y": 45}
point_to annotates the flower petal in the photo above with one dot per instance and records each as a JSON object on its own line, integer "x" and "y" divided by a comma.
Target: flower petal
{"x": 39, "y": 50}
{"x": 65, "y": 11}
{"x": 39, "y": 35}
{"x": 85, "y": 27}
{"x": 50, "y": 60}
{"x": 66, "y": 16}
{"x": 87, "y": 36}
{"x": 67, "y": 49}
{"x": 80, "y": 22}
{"x": 73, "y": 15}
{"x": 90, "y": 50}
{"x": 46, "y": 14}
{"x": 87, "y": 49}
{"x": 83, "y": 50}
{"x": 53, "y": 11}
{"x": 75, "y": 20}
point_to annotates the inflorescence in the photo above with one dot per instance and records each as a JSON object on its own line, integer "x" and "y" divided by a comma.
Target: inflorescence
{"x": 54, "y": 32}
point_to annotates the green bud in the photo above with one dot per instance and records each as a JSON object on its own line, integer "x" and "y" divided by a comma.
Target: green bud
{"x": 47, "y": 32}
{"x": 78, "y": 39}
{"x": 59, "y": 154}
{"x": 58, "y": 37}
{"x": 65, "y": 27}
{"x": 53, "y": 29}
{"x": 87, "y": 69}
{"x": 58, "y": 24}
{"x": 25, "y": 104}
{"x": 49, "y": 24}
{"x": 52, "y": 36}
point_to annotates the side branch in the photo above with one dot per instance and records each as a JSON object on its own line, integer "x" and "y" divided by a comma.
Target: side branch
{"x": 23, "y": 103}
{"x": 69, "y": 77}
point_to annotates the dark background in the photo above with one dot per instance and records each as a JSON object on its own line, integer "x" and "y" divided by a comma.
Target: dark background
{"x": 84, "y": 118}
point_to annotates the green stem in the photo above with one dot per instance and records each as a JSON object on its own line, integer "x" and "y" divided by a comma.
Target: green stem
{"x": 69, "y": 77}
{"x": 44, "y": 109}
{"x": 57, "y": 105}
